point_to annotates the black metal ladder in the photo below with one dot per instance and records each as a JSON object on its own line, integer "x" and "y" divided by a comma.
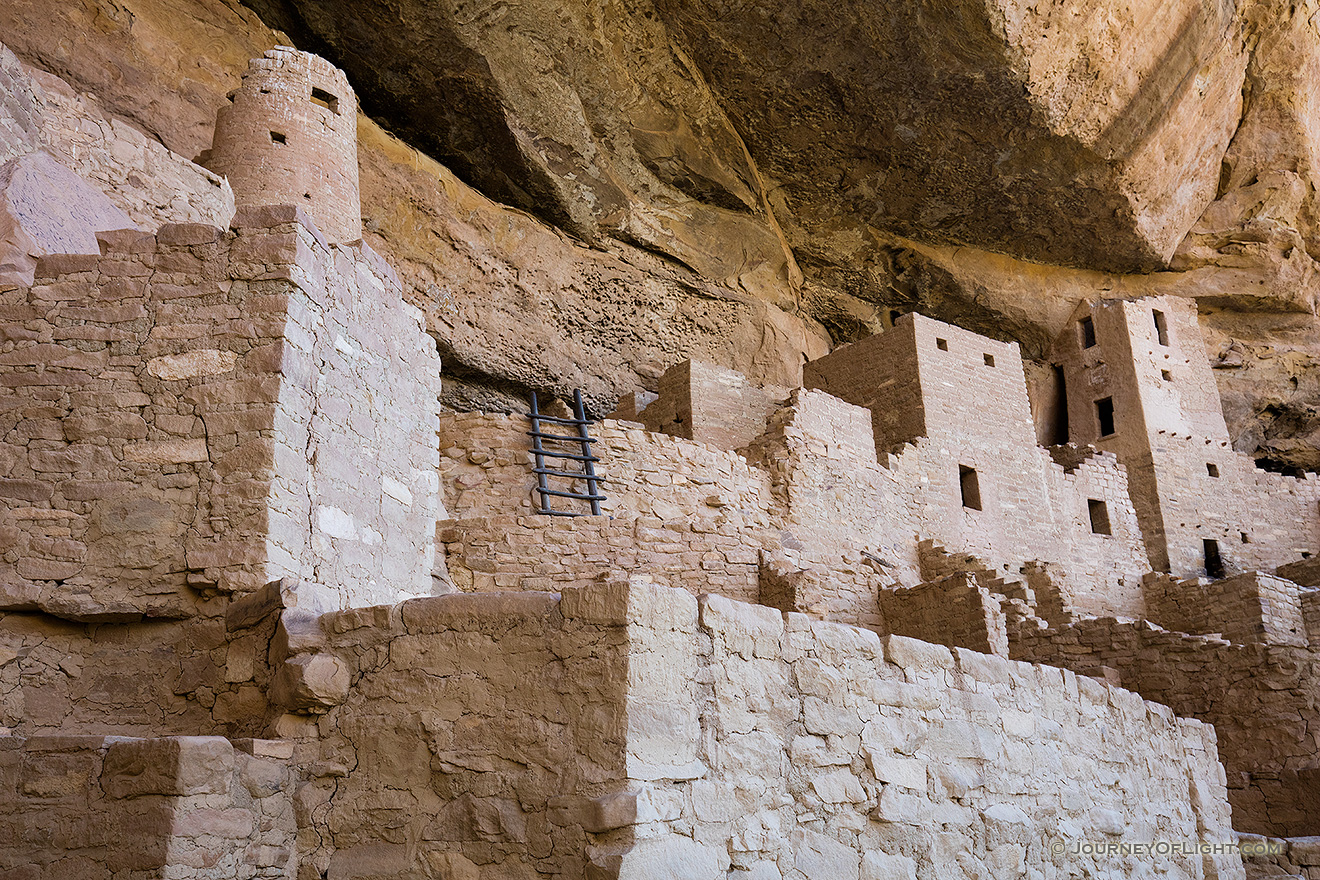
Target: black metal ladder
{"x": 583, "y": 442}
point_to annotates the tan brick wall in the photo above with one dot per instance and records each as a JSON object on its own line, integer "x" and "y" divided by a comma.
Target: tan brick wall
{"x": 279, "y": 144}
{"x": 160, "y": 407}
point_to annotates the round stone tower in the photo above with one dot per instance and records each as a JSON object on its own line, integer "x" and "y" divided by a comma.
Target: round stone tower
{"x": 289, "y": 137}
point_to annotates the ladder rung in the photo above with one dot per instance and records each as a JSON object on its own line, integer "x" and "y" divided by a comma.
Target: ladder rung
{"x": 547, "y": 453}
{"x": 578, "y": 495}
{"x": 559, "y": 421}
{"x": 561, "y": 513}
{"x": 573, "y": 475}
{"x": 561, "y": 437}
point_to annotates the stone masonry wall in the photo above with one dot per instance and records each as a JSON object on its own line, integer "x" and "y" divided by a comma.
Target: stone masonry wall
{"x": 289, "y": 136}
{"x": 1188, "y": 485}
{"x": 191, "y": 808}
{"x": 155, "y": 405}
{"x": 1261, "y": 699}
{"x": 1247, "y": 609}
{"x": 144, "y": 179}
{"x": 627, "y": 730}
{"x": 710, "y": 404}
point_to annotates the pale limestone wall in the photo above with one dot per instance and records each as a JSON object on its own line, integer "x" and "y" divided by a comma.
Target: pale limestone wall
{"x": 191, "y": 808}
{"x": 289, "y": 137}
{"x": 1187, "y": 483}
{"x": 1102, "y": 573}
{"x": 632, "y": 731}
{"x": 1260, "y": 699}
{"x": 139, "y": 175}
{"x": 160, "y": 405}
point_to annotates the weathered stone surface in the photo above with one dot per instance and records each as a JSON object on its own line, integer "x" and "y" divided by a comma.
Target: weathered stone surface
{"x": 310, "y": 683}
{"x": 47, "y": 209}
{"x": 177, "y": 766}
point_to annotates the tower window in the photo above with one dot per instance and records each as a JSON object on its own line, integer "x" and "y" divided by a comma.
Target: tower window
{"x": 322, "y": 98}
{"x": 1212, "y": 469}
{"x": 989, "y": 360}
{"x": 1104, "y": 411}
{"x": 1214, "y": 564}
{"x": 277, "y": 138}
{"x": 1161, "y": 328}
{"x": 1087, "y": 328}
{"x": 1099, "y": 517}
{"x": 942, "y": 344}
{"x": 970, "y": 486}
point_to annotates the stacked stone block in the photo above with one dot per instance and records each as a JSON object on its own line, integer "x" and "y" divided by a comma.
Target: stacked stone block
{"x": 289, "y": 137}
{"x": 1247, "y": 609}
{"x": 1188, "y": 485}
{"x": 199, "y": 411}
{"x": 710, "y": 404}
{"x": 192, "y": 808}
{"x": 1259, "y": 697}
{"x": 634, "y": 731}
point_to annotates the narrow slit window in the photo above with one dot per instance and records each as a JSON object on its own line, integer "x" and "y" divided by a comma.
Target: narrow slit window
{"x": 277, "y": 138}
{"x": 322, "y": 98}
{"x": 1087, "y": 328}
{"x": 942, "y": 344}
{"x": 1214, "y": 563}
{"x": 1104, "y": 412}
{"x": 1212, "y": 469}
{"x": 1161, "y": 327}
{"x": 1099, "y": 517}
{"x": 970, "y": 486}
{"x": 989, "y": 360}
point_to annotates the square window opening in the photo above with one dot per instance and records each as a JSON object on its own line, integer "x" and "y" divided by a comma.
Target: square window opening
{"x": 1099, "y": 512}
{"x": 942, "y": 344}
{"x": 1166, "y": 375}
{"x": 894, "y": 315}
{"x": 1104, "y": 412}
{"x": 1246, "y": 539}
{"x": 1214, "y": 563}
{"x": 1161, "y": 327}
{"x": 277, "y": 138}
{"x": 322, "y": 98}
{"x": 1212, "y": 469}
{"x": 1087, "y": 328}
{"x": 970, "y": 486}
{"x": 989, "y": 360}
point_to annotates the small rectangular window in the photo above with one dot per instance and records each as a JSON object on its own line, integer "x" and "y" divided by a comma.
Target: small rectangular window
{"x": 1212, "y": 469}
{"x": 1161, "y": 328}
{"x": 322, "y": 98}
{"x": 1087, "y": 327}
{"x": 1099, "y": 517}
{"x": 1104, "y": 411}
{"x": 277, "y": 138}
{"x": 1214, "y": 564}
{"x": 1166, "y": 375}
{"x": 942, "y": 344}
{"x": 989, "y": 360}
{"x": 970, "y": 487}
{"x": 894, "y": 315}
{"x": 1246, "y": 539}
